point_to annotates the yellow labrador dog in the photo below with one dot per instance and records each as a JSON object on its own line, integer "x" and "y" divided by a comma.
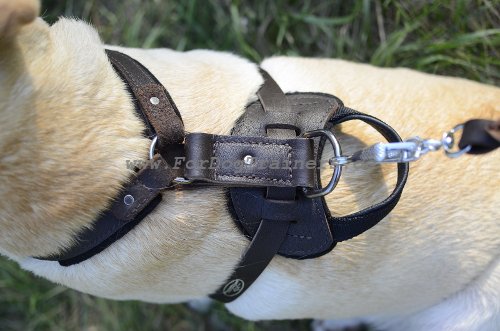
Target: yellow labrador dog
{"x": 68, "y": 125}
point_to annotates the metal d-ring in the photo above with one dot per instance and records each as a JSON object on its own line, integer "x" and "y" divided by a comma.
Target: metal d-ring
{"x": 337, "y": 152}
{"x": 176, "y": 180}
{"x": 152, "y": 147}
{"x": 448, "y": 142}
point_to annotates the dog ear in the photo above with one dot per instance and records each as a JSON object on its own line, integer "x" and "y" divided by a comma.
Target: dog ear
{"x": 15, "y": 14}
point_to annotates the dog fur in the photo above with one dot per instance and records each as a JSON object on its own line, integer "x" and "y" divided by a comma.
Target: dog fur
{"x": 69, "y": 126}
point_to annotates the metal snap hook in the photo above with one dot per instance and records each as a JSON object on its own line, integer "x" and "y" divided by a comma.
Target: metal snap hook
{"x": 337, "y": 152}
{"x": 448, "y": 142}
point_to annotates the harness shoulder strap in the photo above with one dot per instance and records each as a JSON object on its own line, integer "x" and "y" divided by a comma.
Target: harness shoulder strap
{"x": 154, "y": 102}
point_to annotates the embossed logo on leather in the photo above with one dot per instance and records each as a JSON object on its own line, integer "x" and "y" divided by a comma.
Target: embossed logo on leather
{"x": 233, "y": 288}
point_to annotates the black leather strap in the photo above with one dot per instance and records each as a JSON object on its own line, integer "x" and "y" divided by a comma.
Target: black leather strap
{"x": 107, "y": 229}
{"x": 482, "y": 135}
{"x": 279, "y": 202}
{"x": 259, "y": 254}
{"x": 139, "y": 198}
{"x": 347, "y": 227}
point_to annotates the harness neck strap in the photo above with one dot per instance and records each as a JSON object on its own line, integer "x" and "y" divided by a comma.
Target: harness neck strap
{"x": 142, "y": 194}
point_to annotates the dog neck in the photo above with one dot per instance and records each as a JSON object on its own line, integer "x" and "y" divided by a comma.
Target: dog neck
{"x": 68, "y": 128}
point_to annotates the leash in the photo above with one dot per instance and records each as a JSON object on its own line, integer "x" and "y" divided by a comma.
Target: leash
{"x": 280, "y": 208}
{"x": 478, "y": 137}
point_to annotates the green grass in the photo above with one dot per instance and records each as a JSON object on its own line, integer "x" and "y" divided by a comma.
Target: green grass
{"x": 459, "y": 38}
{"x": 29, "y": 303}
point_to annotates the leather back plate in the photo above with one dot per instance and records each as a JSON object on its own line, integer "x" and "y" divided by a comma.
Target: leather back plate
{"x": 309, "y": 235}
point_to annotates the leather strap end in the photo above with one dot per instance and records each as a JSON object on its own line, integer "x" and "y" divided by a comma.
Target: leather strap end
{"x": 482, "y": 135}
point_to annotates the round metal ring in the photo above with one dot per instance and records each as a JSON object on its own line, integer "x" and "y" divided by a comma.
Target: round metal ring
{"x": 337, "y": 152}
{"x": 152, "y": 147}
{"x": 448, "y": 141}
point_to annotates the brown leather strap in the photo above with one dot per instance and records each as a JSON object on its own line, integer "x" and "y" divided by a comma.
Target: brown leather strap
{"x": 142, "y": 194}
{"x": 250, "y": 161}
{"x": 155, "y": 176}
{"x": 271, "y": 96}
{"x": 153, "y": 100}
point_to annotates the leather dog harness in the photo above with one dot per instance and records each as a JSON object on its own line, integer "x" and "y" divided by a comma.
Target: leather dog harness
{"x": 269, "y": 163}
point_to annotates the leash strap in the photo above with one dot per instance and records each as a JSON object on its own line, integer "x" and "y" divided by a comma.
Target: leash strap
{"x": 482, "y": 135}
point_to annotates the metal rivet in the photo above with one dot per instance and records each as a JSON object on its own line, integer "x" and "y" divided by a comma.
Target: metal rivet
{"x": 248, "y": 159}
{"x": 128, "y": 199}
{"x": 154, "y": 100}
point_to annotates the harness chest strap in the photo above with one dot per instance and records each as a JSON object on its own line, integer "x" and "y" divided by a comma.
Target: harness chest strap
{"x": 135, "y": 202}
